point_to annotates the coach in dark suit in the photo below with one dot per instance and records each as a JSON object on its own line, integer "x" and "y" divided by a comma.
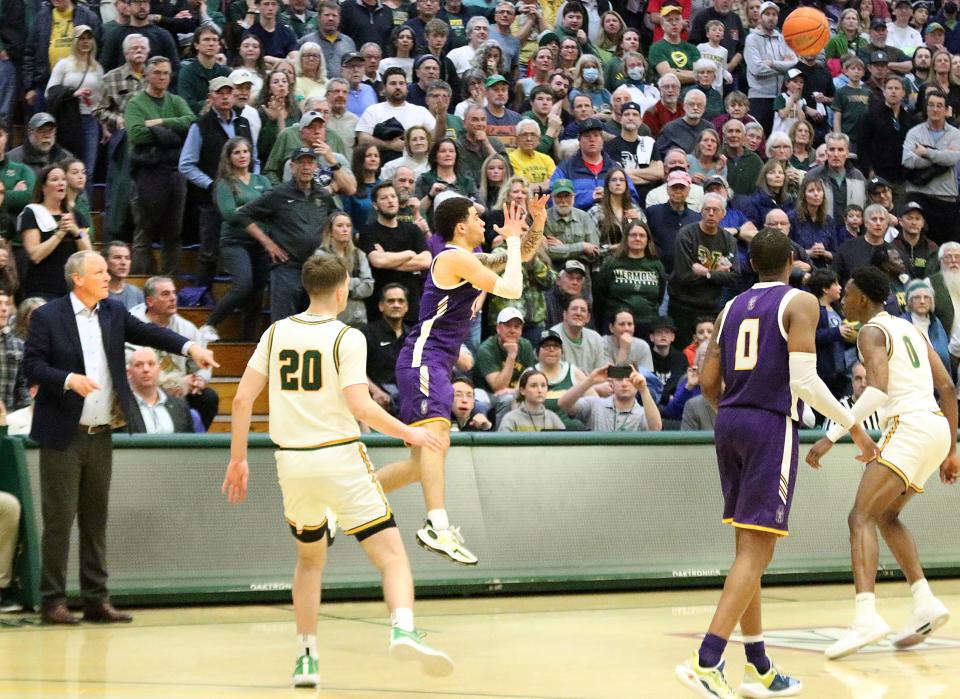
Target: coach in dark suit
{"x": 75, "y": 354}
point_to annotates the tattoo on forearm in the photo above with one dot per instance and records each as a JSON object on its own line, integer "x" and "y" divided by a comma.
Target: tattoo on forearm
{"x": 531, "y": 243}
{"x": 495, "y": 261}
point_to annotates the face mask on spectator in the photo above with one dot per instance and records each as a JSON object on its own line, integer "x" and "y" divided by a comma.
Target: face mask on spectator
{"x": 591, "y": 74}
{"x": 635, "y": 73}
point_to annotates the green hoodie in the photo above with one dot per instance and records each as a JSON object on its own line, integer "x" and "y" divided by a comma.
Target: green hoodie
{"x": 626, "y": 282}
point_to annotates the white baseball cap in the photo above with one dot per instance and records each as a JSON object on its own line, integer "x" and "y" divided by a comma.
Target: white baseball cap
{"x": 241, "y": 76}
{"x": 508, "y": 314}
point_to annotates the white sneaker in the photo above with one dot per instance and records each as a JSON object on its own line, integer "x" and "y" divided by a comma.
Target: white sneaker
{"x": 209, "y": 334}
{"x": 446, "y": 542}
{"x": 409, "y": 646}
{"x": 860, "y": 634}
{"x": 925, "y": 620}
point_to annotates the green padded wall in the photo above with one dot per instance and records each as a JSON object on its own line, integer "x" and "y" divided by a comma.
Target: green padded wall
{"x": 543, "y": 512}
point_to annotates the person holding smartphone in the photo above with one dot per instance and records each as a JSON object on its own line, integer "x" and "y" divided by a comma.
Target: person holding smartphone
{"x": 629, "y": 408}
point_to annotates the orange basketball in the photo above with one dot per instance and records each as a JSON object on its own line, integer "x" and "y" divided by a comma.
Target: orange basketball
{"x": 806, "y": 31}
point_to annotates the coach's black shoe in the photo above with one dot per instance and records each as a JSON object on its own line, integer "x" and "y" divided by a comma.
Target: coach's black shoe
{"x": 105, "y": 613}
{"x": 57, "y": 614}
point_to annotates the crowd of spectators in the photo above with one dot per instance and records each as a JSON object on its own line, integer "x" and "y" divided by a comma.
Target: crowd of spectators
{"x": 667, "y": 133}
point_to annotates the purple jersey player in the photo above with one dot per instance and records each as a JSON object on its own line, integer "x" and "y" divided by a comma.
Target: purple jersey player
{"x": 757, "y": 400}
{"x": 432, "y": 347}
{"x": 457, "y": 276}
{"x": 762, "y": 358}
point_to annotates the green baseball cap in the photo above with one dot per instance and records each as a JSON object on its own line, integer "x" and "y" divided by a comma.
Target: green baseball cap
{"x": 494, "y": 80}
{"x": 562, "y": 187}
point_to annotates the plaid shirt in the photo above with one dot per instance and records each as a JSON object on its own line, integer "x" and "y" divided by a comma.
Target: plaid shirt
{"x": 119, "y": 85}
{"x": 13, "y": 383}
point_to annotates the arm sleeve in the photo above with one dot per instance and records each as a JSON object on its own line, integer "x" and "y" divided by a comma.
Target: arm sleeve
{"x": 808, "y": 386}
{"x": 510, "y": 285}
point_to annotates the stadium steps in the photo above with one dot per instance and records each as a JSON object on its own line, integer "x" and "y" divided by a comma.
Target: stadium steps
{"x": 226, "y": 388}
{"x": 221, "y": 424}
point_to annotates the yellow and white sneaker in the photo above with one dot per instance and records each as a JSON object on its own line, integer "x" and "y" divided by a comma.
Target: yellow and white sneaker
{"x": 772, "y": 684}
{"x": 446, "y": 542}
{"x": 706, "y": 682}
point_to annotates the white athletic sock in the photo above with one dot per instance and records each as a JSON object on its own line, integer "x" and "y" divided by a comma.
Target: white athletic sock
{"x": 866, "y": 605}
{"x": 921, "y": 592}
{"x": 438, "y": 518}
{"x": 402, "y": 619}
{"x": 752, "y": 639}
{"x": 308, "y": 643}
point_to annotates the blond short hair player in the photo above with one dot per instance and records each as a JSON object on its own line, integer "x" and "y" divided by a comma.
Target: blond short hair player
{"x": 919, "y": 438}
{"x": 315, "y": 367}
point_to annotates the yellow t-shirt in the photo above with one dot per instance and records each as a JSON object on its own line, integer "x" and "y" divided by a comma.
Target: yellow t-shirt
{"x": 537, "y": 169}
{"x": 61, "y": 35}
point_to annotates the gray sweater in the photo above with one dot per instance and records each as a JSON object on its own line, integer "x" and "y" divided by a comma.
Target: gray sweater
{"x": 942, "y": 149}
{"x": 638, "y": 356}
{"x": 587, "y": 354}
{"x": 764, "y": 81}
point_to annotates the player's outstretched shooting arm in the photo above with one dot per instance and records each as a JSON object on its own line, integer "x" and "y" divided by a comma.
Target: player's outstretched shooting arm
{"x": 497, "y": 261}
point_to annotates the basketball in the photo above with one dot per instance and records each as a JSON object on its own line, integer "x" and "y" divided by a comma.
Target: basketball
{"x": 806, "y": 31}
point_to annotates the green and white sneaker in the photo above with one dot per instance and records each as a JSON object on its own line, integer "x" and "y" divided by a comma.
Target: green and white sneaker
{"x": 409, "y": 645}
{"x": 706, "y": 682}
{"x": 446, "y": 542}
{"x": 306, "y": 673}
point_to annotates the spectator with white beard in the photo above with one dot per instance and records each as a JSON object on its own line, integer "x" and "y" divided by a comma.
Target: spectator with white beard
{"x": 946, "y": 287}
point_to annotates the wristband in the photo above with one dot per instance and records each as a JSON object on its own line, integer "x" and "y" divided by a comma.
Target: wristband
{"x": 335, "y": 167}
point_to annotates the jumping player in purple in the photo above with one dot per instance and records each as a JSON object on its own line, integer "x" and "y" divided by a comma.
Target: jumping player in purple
{"x": 457, "y": 277}
{"x": 762, "y": 360}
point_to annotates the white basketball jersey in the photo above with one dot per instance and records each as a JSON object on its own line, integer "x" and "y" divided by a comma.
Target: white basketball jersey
{"x": 910, "y": 382}
{"x": 309, "y": 360}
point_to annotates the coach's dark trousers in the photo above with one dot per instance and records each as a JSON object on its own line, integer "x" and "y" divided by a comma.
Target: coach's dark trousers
{"x": 75, "y": 484}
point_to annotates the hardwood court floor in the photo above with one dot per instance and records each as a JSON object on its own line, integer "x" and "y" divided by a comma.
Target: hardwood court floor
{"x": 563, "y": 647}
